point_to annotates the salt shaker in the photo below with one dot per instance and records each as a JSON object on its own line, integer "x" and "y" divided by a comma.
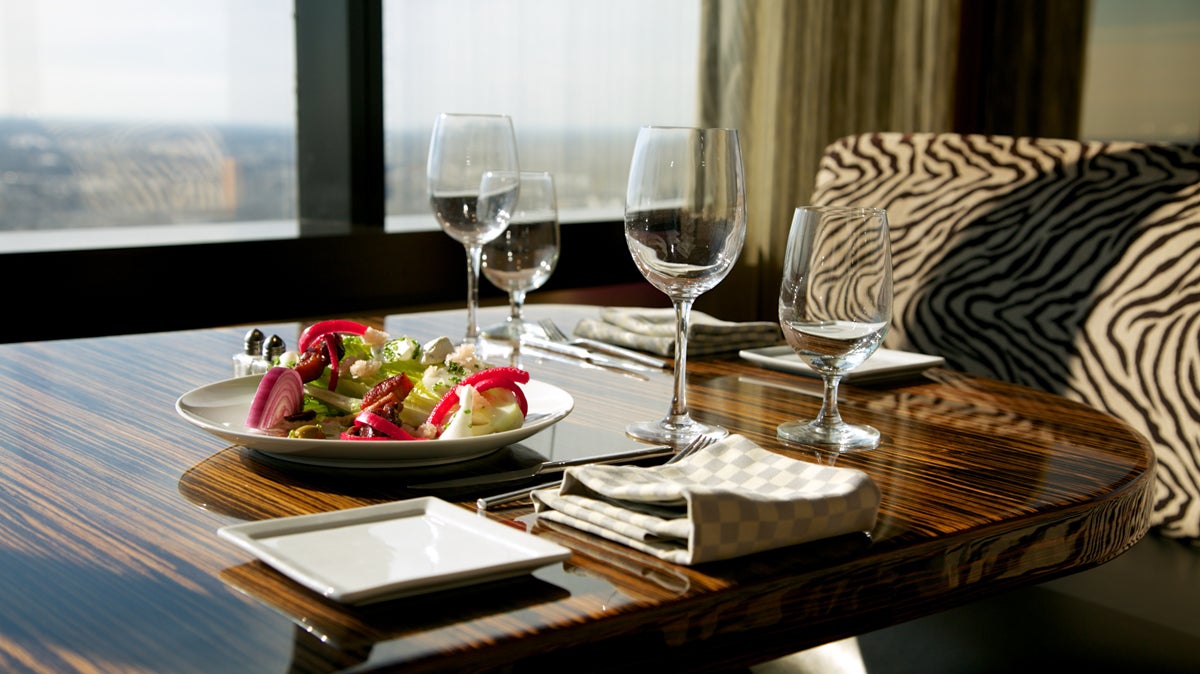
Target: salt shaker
{"x": 244, "y": 360}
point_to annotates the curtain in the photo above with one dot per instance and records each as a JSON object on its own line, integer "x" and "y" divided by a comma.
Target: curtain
{"x": 794, "y": 75}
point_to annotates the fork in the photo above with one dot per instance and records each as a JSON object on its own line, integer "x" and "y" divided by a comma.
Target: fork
{"x": 698, "y": 443}
{"x": 555, "y": 334}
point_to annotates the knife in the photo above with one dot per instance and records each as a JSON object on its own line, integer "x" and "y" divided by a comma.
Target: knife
{"x": 581, "y": 353}
{"x": 583, "y": 346}
{"x": 622, "y": 352}
{"x": 544, "y": 468}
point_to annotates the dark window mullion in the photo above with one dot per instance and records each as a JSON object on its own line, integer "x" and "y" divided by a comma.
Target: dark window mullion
{"x": 339, "y": 114}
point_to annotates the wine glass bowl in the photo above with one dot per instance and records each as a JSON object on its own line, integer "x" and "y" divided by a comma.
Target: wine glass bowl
{"x": 523, "y": 257}
{"x": 835, "y": 305}
{"x": 474, "y": 180}
{"x": 685, "y": 223}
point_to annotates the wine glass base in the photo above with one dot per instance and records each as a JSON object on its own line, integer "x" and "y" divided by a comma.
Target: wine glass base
{"x": 513, "y": 330}
{"x": 675, "y": 434}
{"x": 840, "y": 437}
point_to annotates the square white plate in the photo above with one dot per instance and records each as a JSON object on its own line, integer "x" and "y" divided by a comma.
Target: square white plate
{"x": 373, "y": 553}
{"x": 883, "y": 365}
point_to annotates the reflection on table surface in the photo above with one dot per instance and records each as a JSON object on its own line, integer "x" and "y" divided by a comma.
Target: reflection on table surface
{"x": 112, "y": 502}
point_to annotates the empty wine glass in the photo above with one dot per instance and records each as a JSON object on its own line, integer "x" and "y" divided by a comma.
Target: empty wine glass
{"x": 523, "y": 257}
{"x": 685, "y": 223}
{"x": 464, "y": 148}
{"x": 835, "y": 304}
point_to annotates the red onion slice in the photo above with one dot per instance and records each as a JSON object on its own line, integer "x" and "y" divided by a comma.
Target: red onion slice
{"x": 280, "y": 393}
{"x": 392, "y": 430}
{"x": 312, "y": 332}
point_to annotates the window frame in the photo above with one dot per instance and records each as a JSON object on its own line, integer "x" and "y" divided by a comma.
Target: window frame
{"x": 342, "y": 264}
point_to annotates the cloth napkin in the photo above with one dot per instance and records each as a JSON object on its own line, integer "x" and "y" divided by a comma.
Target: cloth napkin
{"x": 729, "y": 499}
{"x": 653, "y": 330}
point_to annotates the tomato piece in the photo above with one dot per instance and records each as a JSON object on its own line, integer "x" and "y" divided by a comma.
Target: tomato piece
{"x": 396, "y": 387}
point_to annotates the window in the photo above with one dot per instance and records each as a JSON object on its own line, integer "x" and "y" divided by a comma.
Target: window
{"x": 165, "y": 73}
{"x": 146, "y": 122}
{"x": 1140, "y": 80}
{"x": 578, "y": 78}
{"x": 125, "y": 123}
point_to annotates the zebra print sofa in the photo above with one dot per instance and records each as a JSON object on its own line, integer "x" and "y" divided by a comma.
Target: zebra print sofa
{"x": 1072, "y": 267}
{"x": 1066, "y": 266}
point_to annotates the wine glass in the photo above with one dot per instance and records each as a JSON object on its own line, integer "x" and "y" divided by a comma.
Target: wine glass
{"x": 835, "y": 304}
{"x": 685, "y": 223}
{"x": 524, "y": 256}
{"x": 463, "y": 149}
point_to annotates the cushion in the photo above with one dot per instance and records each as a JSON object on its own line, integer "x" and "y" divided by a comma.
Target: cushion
{"x": 1068, "y": 266}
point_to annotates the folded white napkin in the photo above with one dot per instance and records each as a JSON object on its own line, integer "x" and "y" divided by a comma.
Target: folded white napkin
{"x": 729, "y": 499}
{"x": 653, "y": 330}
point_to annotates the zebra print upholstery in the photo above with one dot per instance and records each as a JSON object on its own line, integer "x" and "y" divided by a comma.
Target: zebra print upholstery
{"x": 1072, "y": 267}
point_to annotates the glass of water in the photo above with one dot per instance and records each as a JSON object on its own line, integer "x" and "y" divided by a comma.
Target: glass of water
{"x": 471, "y": 209}
{"x": 835, "y": 304}
{"x": 524, "y": 256}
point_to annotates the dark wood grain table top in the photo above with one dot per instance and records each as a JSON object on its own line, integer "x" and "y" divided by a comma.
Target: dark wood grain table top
{"x": 110, "y": 502}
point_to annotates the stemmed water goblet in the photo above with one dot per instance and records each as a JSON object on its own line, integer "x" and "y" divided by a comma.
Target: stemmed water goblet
{"x": 835, "y": 305}
{"x": 472, "y": 210}
{"x": 685, "y": 223}
{"x": 525, "y": 254}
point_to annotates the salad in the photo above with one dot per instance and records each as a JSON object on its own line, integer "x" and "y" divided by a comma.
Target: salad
{"x": 348, "y": 381}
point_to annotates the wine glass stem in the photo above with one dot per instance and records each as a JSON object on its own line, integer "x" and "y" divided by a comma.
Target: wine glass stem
{"x": 829, "y": 416}
{"x": 683, "y": 318}
{"x": 474, "y": 256}
{"x": 516, "y": 303}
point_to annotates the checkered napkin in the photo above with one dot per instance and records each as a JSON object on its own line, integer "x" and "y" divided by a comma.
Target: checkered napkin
{"x": 653, "y": 330}
{"x": 729, "y": 499}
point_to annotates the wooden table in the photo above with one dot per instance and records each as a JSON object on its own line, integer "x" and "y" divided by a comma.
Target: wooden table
{"x": 110, "y": 504}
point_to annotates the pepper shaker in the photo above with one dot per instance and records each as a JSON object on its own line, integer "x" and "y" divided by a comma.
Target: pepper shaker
{"x": 272, "y": 349}
{"x": 243, "y": 361}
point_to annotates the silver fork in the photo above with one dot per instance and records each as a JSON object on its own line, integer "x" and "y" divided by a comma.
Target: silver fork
{"x": 555, "y": 334}
{"x": 700, "y": 442}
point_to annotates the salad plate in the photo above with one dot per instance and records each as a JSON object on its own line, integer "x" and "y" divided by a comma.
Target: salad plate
{"x": 391, "y": 550}
{"x": 883, "y": 365}
{"x": 220, "y": 408}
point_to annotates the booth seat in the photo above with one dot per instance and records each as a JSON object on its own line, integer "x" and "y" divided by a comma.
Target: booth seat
{"x": 1072, "y": 267}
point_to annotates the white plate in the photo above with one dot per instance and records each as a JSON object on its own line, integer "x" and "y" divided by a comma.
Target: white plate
{"x": 221, "y": 409}
{"x": 883, "y": 365}
{"x": 373, "y": 553}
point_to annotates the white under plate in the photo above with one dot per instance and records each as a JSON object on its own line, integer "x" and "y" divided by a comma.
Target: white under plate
{"x": 883, "y": 365}
{"x": 221, "y": 409}
{"x": 373, "y": 553}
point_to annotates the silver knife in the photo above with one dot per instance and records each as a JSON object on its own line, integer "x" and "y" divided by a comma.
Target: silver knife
{"x": 622, "y": 352}
{"x": 544, "y": 468}
{"x": 485, "y": 502}
{"x": 585, "y": 345}
{"x": 579, "y": 352}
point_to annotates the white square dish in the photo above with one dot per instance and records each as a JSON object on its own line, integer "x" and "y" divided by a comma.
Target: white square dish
{"x": 391, "y": 550}
{"x": 883, "y": 365}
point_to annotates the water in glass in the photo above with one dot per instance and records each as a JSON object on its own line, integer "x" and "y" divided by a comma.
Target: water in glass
{"x": 835, "y": 304}
{"x": 474, "y": 182}
{"x": 524, "y": 256}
